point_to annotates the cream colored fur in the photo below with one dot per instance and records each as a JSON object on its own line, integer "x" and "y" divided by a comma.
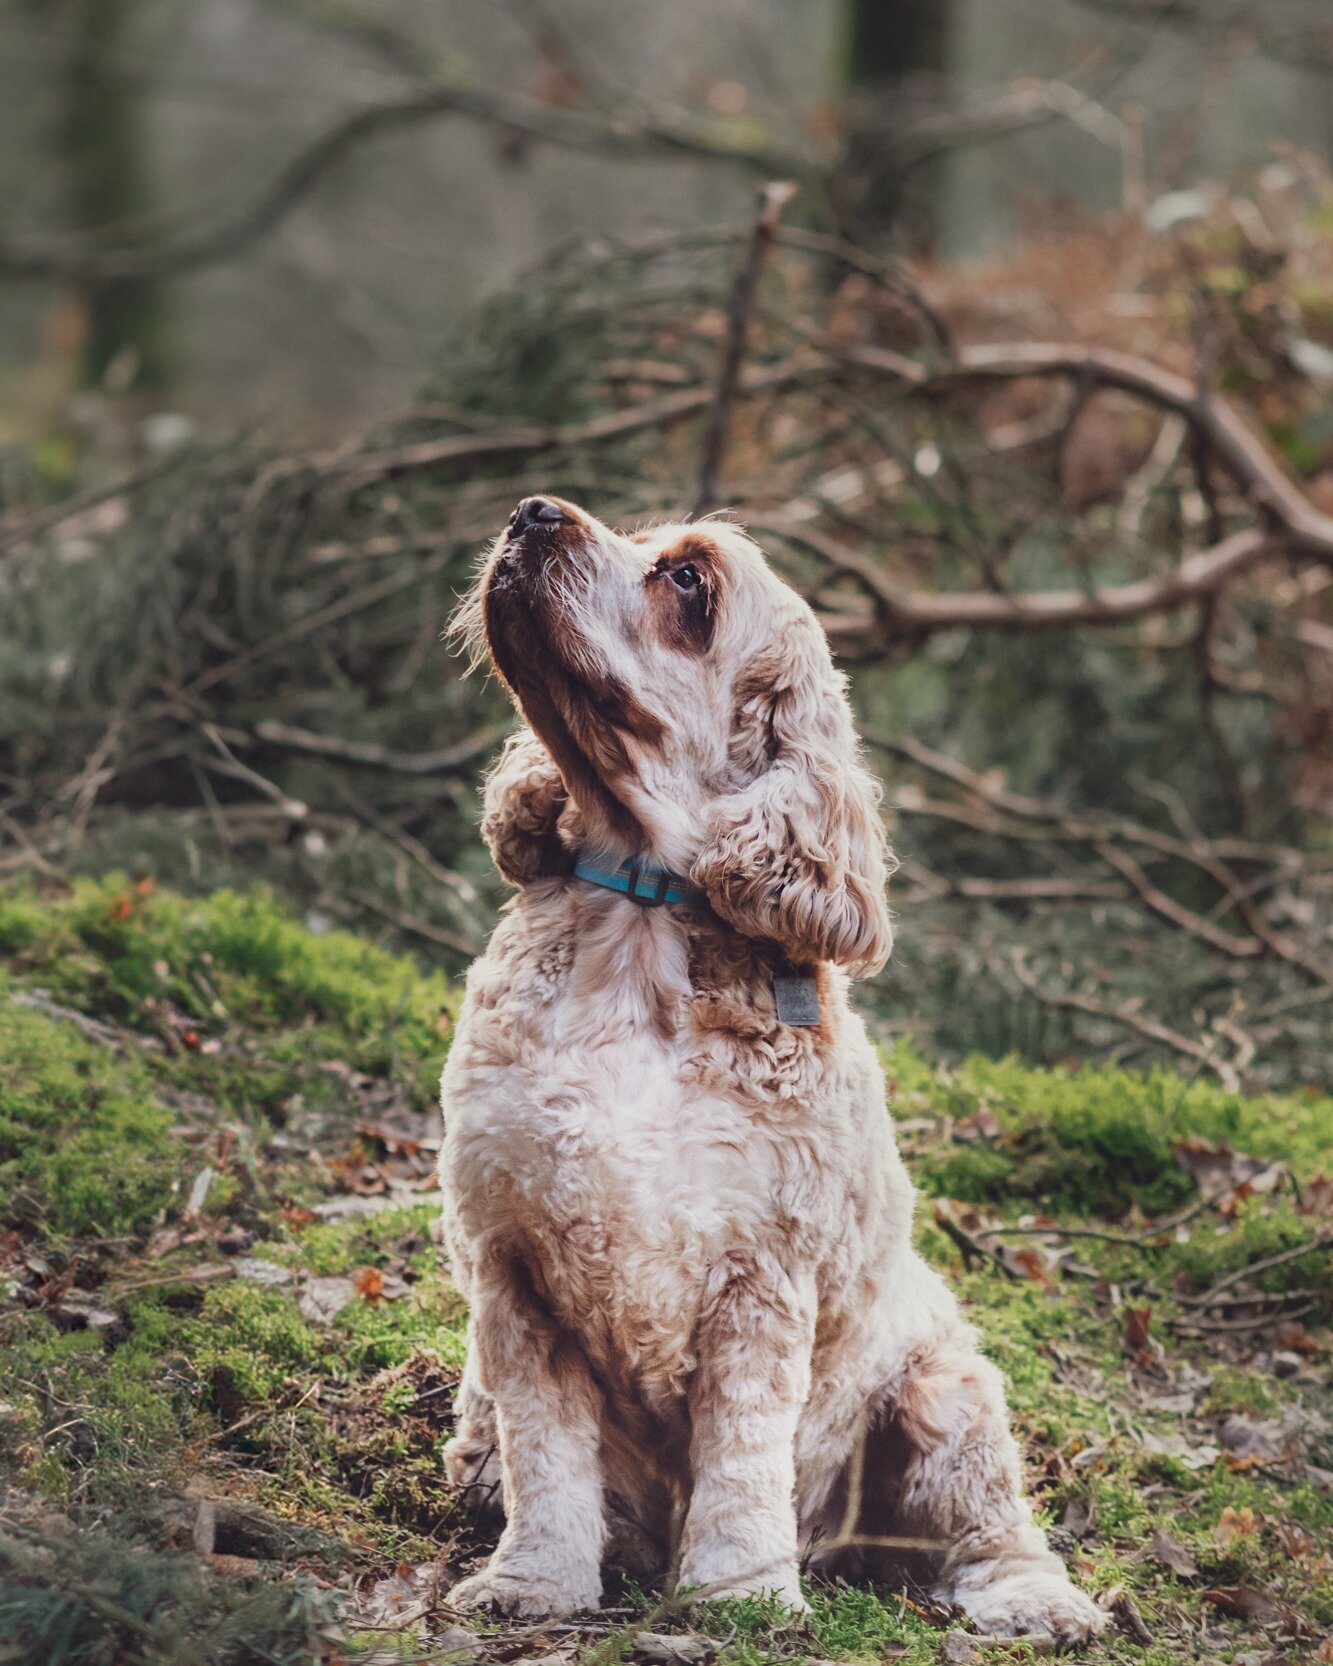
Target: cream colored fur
{"x": 683, "y": 1228}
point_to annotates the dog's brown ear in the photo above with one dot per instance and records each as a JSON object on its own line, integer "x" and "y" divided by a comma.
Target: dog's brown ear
{"x": 523, "y": 800}
{"x": 799, "y": 855}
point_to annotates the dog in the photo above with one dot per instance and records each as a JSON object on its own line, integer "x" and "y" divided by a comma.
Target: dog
{"x": 673, "y": 1202}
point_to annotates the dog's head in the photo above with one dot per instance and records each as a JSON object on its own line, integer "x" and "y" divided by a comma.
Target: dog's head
{"x": 686, "y": 696}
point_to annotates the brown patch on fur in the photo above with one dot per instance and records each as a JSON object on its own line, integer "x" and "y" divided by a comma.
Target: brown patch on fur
{"x": 525, "y": 798}
{"x": 933, "y": 1388}
{"x": 582, "y": 727}
{"x": 731, "y": 979}
{"x": 754, "y": 743}
{"x": 638, "y": 1442}
{"x": 687, "y": 620}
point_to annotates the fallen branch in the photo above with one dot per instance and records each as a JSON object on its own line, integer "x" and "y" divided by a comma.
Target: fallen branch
{"x": 904, "y": 612}
{"x": 445, "y": 760}
{"x": 518, "y": 444}
{"x": 97, "y": 260}
{"x": 1259, "y": 1321}
{"x": 1104, "y": 836}
{"x": 1316, "y": 1246}
{"x": 1150, "y": 1028}
{"x": 770, "y": 203}
{"x": 1217, "y": 423}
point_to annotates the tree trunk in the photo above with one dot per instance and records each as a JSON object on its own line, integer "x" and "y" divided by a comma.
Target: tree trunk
{"x": 897, "y": 57}
{"x": 102, "y": 148}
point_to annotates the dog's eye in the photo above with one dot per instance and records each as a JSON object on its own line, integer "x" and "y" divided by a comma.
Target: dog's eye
{"x": 686, "y": 577}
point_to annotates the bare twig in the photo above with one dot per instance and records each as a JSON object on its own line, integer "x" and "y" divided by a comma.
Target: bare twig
{"x": 1258, "y": 1321}
{"x": 445, "y": 760}
{"x": 1149, "y": 1028}
{"x": 171, "y": 254}
{"x": 414, "y": 927}
{"x": 1316, "y": 1246}
{"x": 516, "y": 445}
{"x": 973, "y": 1250}
{"x": 770, "y": 203}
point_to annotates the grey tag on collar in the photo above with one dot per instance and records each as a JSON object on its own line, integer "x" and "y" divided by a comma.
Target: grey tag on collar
{"x": 797, "y": 999}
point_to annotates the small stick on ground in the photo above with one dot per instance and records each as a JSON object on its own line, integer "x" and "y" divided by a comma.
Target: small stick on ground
{"x": 771, "y": 200}
{"x": 974, "y": 1252}
{"x": 1314, "y": 1247}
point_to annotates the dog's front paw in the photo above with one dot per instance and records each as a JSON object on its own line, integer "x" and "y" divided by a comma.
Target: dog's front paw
{"x": 525, "y": 1592}
{"x": 1031, "y": 1602}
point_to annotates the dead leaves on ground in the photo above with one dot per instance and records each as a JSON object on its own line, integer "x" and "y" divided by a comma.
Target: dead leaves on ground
{"x": 1170, "y": 1553}
{"x": 1243, "y": 1602}
{"x": 1226, "y": 1177}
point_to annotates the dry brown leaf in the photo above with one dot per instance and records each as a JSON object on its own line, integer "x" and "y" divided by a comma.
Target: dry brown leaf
{"x": 984, "y": 1125}
{"x": 1246, "y": 1439}
{"x": 1292, "y": 1336}
{"x": 369, "y": 1284}
{"x": 1317, "y": 1196}
{"x": 1027, "y": 1263}
{"x": 321, "y": 1300}
{"x": 1235, "y": 1524}
{"x": 1243, "y": 1602}
{"x": 405, "y": 1597}
{"x": 665, "y": 1650}
{"x": 1295, "y": 1540}
{"x": 1139, "y": 1340}
{"x": 1219, "y": 1172}
{"x": 1185, "y": 1453}
{"x": 1172, "y": 1554}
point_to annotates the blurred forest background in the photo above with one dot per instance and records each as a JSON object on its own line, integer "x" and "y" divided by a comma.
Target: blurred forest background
{"x": 1028, "y": 385}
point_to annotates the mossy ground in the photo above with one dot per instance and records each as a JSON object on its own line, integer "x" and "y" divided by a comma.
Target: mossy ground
{"x": 227, "y": 1349}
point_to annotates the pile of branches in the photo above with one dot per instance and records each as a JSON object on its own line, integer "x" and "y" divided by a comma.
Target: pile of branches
{"x": 1079, "y": 588}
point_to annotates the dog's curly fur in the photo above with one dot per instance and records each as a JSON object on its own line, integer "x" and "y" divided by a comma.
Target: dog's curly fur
{"x": 682, "y": 1225}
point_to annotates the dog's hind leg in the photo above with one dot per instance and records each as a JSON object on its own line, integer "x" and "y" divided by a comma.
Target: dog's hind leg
{"x": 472, "y": 1455}
{"x": 961, "y": 1489}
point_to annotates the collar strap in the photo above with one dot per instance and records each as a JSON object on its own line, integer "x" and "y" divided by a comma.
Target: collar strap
{"x": 641, "y": 882}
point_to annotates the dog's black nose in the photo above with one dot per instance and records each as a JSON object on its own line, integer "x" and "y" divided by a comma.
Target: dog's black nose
{"x": 535, "y": 511}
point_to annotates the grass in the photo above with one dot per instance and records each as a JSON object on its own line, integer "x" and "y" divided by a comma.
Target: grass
{"x": 151, "y": 1356}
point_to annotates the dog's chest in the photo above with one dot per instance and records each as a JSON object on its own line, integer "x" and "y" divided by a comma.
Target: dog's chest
{"x": 619, "y": 1187}
{"x": 620, "y": 1160}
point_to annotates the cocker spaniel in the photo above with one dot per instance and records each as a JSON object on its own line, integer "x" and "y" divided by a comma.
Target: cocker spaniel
{"x": 672, "y": 1195}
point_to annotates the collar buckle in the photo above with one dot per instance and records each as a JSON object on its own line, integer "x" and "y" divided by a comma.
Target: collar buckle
{"x": 659, "y": 881}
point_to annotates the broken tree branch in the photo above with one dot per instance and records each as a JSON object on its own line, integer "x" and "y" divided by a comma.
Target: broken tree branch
{"x": 445, "y": 760}
{"x": 100, "y": 260}
{"x": 1149, "y": 1028}
{"x": 769, "y": 206}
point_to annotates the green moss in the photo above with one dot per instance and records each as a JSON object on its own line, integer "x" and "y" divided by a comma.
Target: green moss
{"x": 248, "y": 1342}
{"x": 230, "y": 959}
{"x": 344, "y": 1246}
{"x": 95, "y": 1420}
{"x": 1093, "y": 1140}
{"x": 85, "y": 1148}
{"x": 381, "y": 1334}
{"x": 225, "y": 1001}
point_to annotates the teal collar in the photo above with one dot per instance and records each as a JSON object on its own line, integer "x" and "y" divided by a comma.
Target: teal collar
{"x": 641, "y": 882}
